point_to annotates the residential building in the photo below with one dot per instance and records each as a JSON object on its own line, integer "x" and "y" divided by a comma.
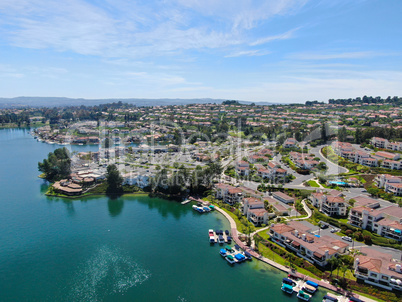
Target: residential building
{"x": 329, "y": 204}
{"x": 290, "y": 143}
{"x": 379, "y": 269}
{"x": 298, "y": 238}
{"x": 385, "y": 221}
{"x": 228, "y": 194}
{"x": 283, "y": 197}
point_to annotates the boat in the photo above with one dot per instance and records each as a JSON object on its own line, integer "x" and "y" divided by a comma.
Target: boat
{"x": 288, "y": 281}
{"x": 198, "y": 209}
{"x": 186, "y": 201}
{"x": 211, "y": 232}
{"x": 212, "y": 239}
{"x": 206, "y": 209}
{"x": 230, "y": 259}
{"x": 302, "y": 295}
{"x": 221, "y": 240}
{"x": 229, "y": 249}
{"x": 229, "y": 239}
{"x": 212, "y": 207}
{"x": 240, "y": 257}
{"x": 248, "y": 256}
{"x": 223, "y": 252}
{"x": 287, "y": 288}
{"x": 310, "y": 287}
{"x": 328, "y": 298}
{"x": 227, "y": 232}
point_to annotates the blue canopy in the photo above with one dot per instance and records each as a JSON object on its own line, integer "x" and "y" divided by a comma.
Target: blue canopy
{"x": 240, "y": 257}
{"x": 287, "y": 281}
{"x": 223, "y": 251}
{"x": 398, "y": 231}
{"x": 247, "y": 254}
{"x": 237, "y": 247}
{"x": 312, "y": 284}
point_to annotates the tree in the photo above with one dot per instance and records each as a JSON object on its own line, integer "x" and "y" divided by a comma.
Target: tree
{"x": 342, "y": 134}
{"x": 57, "y": 165}
{"x": 114, "y": 180}
{"x": 323, "y": 132}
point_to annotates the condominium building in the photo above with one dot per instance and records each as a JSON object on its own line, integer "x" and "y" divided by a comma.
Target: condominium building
{"x": 379, "y": 269}
{"x": 298, "y": 238}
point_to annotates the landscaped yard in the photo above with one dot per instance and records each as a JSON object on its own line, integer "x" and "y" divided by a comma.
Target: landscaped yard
{"x": 313, "y": 183}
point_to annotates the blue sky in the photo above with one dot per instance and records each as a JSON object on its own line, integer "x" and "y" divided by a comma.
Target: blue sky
{"x": 275, "y": 51}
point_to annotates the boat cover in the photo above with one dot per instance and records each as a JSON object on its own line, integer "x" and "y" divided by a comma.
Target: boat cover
{"x": 223, "y": 251}
{"x": 287, "y": 281}
{"x": 312, "y": 283}
{"x": 353, "y": 299}
{"x": 287, "y": 286}
{"x": 239, "y": 257}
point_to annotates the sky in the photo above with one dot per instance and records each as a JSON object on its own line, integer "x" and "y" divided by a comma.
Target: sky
{"x": 281, "y": 51}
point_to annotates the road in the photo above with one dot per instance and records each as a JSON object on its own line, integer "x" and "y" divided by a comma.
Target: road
{"x": 333, "y": 169}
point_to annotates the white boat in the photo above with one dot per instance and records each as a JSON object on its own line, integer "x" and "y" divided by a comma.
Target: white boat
{"x": 212, "y": 239}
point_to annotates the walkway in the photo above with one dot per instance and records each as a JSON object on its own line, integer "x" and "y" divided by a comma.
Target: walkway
{"x": 281, "y": 267}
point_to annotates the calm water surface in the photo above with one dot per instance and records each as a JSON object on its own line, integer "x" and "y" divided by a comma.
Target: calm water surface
{"x": 96, "y": 249}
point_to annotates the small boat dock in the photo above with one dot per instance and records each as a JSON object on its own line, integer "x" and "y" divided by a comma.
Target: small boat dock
{"x": 186, "y": 201}
{"x": 219, "y": 236}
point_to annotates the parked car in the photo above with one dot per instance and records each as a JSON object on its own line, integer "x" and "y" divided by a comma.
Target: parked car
{"x": 333, "y": 230}
{"x": 347, "y": 238}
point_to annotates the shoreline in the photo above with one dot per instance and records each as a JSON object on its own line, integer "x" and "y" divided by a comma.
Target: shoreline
{"x": 278, "y": 266}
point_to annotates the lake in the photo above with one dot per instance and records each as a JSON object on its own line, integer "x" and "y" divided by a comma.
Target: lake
{"x": 134, "y": 248}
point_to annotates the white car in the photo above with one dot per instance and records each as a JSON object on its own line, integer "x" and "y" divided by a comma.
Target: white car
{"x": 347, "y": 238}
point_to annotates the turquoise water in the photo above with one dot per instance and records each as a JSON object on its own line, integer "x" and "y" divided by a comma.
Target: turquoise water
{"x": 131, "y": 249}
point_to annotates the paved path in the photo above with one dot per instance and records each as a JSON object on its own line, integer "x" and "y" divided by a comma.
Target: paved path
{"x": 281, "y": 267}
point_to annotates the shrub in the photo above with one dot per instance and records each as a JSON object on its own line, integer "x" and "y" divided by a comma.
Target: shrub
{"x": 367, "y": 239}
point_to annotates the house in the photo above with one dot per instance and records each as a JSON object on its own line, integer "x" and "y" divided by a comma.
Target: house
{"x": 298, "y": 238}
{"x": 379, "y": 269}
{"x": 283, "y": 197}
{"x": 278, "y": 207}
{"x": 243, "y": 168}
{"x": 392, "y": 164}
{"x": 379, "y": 142}
{"x": 290, "y": 143}
{"x": 228, "y": 194}
{"x": 137, "y": 179}
{"x": 387, "y": 155}
{"x": 67, "y": 187}
{"x": 378, "y": 220}
{"x": 331, "y": 205}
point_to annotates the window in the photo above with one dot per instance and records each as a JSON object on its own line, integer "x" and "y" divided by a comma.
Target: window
{"x": 373, "y": 275}
{"x": 384, "y": 277}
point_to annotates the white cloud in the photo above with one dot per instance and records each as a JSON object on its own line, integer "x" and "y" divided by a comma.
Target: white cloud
{"x": 339, "y": 55}
{"x": 248, "y": 53}
{"x": 130, "y": 29}
{"x": 284, "y": 36}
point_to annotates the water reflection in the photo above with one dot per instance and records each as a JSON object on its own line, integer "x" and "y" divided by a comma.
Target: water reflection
{"x": 164, "y": 207}
{"x": 115, "y": 206}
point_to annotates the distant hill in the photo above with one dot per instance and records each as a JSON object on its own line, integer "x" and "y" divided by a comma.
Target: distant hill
{"x": 27, "y": 101}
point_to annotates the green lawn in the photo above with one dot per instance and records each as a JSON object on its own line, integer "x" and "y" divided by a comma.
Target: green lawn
{"x": 313, "y": 183}
{"x": 267, "y": 253}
